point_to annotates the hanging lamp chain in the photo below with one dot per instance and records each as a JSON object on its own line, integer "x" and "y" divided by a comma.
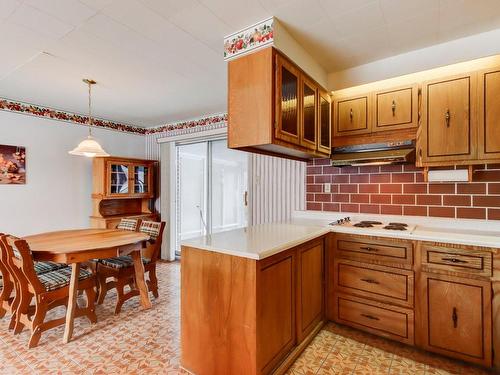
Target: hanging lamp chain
{"x": 90, "y": 82}
{"x": 90, "y": 109}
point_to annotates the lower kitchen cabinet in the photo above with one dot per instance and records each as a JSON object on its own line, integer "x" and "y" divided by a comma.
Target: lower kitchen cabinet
{"x": 310, "y": 287}
{"x": 276, "y": 309}
{"x": 432, "y": 295}
{"x": 249, "y": 317}
{"x": 456, "y": 317}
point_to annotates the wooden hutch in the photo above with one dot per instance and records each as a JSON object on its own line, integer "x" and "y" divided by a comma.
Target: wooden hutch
{"x": 122, "y": 187}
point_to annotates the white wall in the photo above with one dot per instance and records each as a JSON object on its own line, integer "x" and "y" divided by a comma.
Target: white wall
{"x": 58, "y": 185}
{"x": 463, "y": 49}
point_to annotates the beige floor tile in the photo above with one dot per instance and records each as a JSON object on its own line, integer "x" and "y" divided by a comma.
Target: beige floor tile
{"x": 147, "y": 342}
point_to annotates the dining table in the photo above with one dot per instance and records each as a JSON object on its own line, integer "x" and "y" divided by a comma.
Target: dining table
{"x": 73, "y": 247}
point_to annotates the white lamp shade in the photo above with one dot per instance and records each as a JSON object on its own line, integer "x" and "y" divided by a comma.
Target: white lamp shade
{"x": 89, "y": 148}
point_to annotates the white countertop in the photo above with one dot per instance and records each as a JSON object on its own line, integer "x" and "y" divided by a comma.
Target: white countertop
{"x": 258, "y": 241}
{"x": 264, "y": 240}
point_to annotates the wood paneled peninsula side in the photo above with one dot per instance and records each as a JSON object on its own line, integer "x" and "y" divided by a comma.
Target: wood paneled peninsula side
{"x": 251, "y": 298}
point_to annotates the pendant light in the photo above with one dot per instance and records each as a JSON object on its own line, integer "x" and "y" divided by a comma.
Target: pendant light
{"x": 89, "y": 147}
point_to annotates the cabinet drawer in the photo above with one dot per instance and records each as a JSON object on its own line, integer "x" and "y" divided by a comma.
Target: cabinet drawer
{"x": 351, "y": 116}
{"x": 383, "y": 320}
{"x": 374, "y": 250}
{"x": 457, "y": 260}
{"x": 390, "y": 285}
{"x": 396, "y": 109}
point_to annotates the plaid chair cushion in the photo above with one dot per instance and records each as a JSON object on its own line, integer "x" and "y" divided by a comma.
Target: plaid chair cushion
{"x": 122, "y": 261}
{"x": 60, "y": 278}
{"x": 151, "y": 228}
{"x": 44, "y": 267}
{"x": 128, "y": 224}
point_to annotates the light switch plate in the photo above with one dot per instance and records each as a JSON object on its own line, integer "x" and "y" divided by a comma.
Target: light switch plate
{"x": 327, "y": 188}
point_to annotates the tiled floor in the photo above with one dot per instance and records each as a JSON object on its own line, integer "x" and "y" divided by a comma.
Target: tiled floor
{"x": 147, "y": 342}
{"x": 342, "y": 350}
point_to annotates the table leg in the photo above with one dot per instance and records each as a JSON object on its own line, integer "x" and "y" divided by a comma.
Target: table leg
{"x": 72, "y": 302}
{"x": 139, "y": 279}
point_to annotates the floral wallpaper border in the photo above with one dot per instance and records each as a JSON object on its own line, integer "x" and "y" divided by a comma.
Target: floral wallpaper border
{"x": 207, "y": 123}
{"x": 201, "y": 122}
{"x": 39, "y": 111}
{"x": 253, "y": 37}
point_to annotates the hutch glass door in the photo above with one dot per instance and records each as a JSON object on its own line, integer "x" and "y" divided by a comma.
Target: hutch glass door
{"x": 141, "y": 179}
{"x": 119, "y": 179}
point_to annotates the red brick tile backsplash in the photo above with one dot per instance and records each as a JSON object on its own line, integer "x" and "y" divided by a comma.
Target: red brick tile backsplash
{"x": 400, "y": 190}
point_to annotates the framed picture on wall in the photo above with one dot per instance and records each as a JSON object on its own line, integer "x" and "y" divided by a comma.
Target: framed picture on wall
{"x": 12, "y": 165}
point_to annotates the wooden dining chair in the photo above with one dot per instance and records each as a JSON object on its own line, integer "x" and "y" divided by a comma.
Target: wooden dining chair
{"x": 48, "y": 290}
{"x": 121, "y": 269}
{"x": 7, "y": 296}
{"x": 10, "y": 295}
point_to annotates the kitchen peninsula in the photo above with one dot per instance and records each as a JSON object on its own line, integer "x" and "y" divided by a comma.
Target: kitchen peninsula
{"x": 253, "y": 298}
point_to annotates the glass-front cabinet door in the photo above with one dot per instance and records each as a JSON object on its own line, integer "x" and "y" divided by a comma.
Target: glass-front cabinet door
{"x": 324, "y": 122}
{"x": 309, "y": 114}
{"x": 287, "y": 111}
{"x": 141, "y": 179}
{"x": 119, "y": 179}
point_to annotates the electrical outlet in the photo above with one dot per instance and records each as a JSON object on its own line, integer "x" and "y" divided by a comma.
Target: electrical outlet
{"x": 327, "y": 188}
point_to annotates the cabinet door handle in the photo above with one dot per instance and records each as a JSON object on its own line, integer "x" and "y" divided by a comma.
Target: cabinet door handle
{"x": 454, "y": 317}
{"x": 370, "y": 281}
{"x": 393, "y": 107}
{"x": 370, "y": 317}
{"x": 351, "y": 114}
{"x": 447, "y": 117}
{"x": 454, "y": 260}
{"x": 367, "y": 248}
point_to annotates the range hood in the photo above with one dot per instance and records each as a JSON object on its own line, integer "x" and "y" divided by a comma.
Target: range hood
{"x": 374, "y": 154}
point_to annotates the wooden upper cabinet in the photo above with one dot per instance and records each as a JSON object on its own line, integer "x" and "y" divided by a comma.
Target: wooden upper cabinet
{"x": 351, "y": 116}
{"x": 310, "y": 291}
{"x": 449, "y": 126}
{"x": 489, "y": 114}
{"x": 324, "y": 122}
{"x": 287, "y": 104}
{"x": 396, "y": 109}
{"x": 273, "y": 107}
{"x": 309, "y": 114}
{"x": 457, "y": 317}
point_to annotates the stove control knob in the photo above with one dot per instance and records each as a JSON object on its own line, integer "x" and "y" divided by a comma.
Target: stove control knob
{"x": 348, "y": 218}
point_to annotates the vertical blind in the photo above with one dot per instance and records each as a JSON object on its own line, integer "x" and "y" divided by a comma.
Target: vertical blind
{"x": 277, "y": 188}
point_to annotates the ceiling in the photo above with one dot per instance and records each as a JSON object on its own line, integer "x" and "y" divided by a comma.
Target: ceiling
{"x": 160, "y": 61}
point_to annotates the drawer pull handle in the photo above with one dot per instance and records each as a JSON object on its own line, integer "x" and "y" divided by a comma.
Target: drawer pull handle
{"x": 367, "y": 248}
{"x": 351, "y": 114}
{"x": 454, "y": 260}
{"x": 393, "y": 107}
{"x": 454, "y": 317}
{"x": 370, "y": 281}
{"x": 371, "y": 317}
